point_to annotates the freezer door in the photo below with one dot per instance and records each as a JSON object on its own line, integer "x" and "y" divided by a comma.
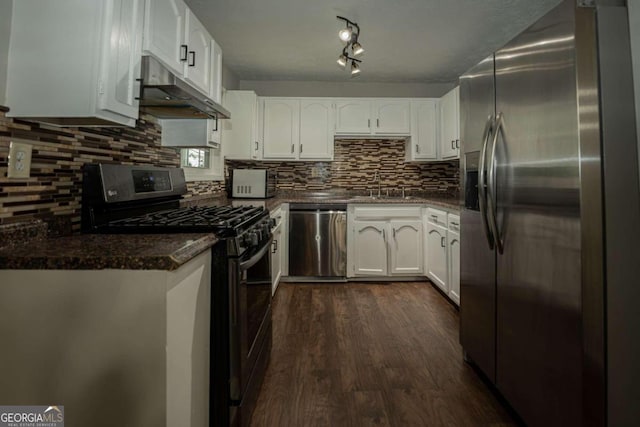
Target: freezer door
{"x": 477, "y": 257}
{"x": 537, "y": 186}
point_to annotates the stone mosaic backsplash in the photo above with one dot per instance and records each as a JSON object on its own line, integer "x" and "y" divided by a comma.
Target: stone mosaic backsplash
{"x": 354, "y": 167}
{"x": 53, "y": 192}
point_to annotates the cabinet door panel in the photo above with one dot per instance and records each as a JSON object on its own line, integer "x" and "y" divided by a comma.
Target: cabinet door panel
{"x": 239, "y": 134}
{"x": 449, "y": 125}
{"x": 121, "y": 57}
{"x": 392, "y": 117}
{"x": 316, "y": 130}
{"x": 353, "y": 117}
{"x": 276, "y": 263}
{"x": 215, "y": 91}
{"x": 424, "y": 134}
{"x": 370, "y": 251}
{"x": 406, "y": 248}
{"x": 197, "y": 70}
{"x": 454, "y": 266}
{"x": 437, "y": 256}
{"x": 281, "y": 128}
{"x": 164, "y": 31}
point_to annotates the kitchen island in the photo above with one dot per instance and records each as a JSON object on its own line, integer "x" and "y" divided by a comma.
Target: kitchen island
{"x": 115, "y": 328}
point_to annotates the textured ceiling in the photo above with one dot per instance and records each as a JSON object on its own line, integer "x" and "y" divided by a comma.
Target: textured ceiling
{"x": 404, "y": 40}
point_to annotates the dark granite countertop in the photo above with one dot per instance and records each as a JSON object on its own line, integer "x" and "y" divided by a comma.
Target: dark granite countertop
{"x": 108, "y": 251}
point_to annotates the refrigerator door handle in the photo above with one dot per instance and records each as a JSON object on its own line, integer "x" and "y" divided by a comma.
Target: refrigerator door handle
{"x": 482, "y": 188}
{"x": 492, "y": 201}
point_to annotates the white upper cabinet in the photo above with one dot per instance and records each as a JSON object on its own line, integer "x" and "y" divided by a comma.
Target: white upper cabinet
{"x": 215, "y": 92}
{"x": 164, "y": 32}
{"x": 240, "y": 134}
{"x": 363, "y": 117}
{"x": 281, "y": 135}
{"x": 91, "y": 67}
{"x": 316, "y": 129}
{"x": 297, "y": 128}
{"x": 450, "y": 125}
{"x": 353, "y": 116}
{"x": 392, "y": 117}
{"x": 197, "y": 70}
{"x": 424, "y": 130}
{"x": 174, "y": 36}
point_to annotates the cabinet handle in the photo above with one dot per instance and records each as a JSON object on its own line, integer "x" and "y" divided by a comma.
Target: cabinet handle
{"x": 394, "y": 232}
{"x": 141, "y": 89}
{"x": 291, "y": 148}
{"x": 442, "y": 242}
{"x": 417, "y": 149}
{"x": 300, "y": 148}
{"x": 192, "y": 62}
{"x": 378, "y": 123}
{"x": 256, "y": 145}
{"x": 384, "y": 235}
{"x": 453, "y": 146}
{"x": 434, "y": 216}
{"x": 183, "y": 52}
{"x": 275, "y": 247}
{"x": 455, "y": 223}
{"x": 457, "y": 143}
{"x": 369, "y": 123}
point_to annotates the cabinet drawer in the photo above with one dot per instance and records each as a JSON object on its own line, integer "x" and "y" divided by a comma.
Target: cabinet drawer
{"x": 454, "y": 222}
{"x": 384, "y": 212}
{"x": 436, "y": 216}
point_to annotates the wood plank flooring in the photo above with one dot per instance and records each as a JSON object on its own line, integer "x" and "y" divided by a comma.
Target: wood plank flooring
{"x": 370, "y": 354}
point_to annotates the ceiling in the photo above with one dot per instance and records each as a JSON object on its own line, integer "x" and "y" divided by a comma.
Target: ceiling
{"x": 419, "y": 41}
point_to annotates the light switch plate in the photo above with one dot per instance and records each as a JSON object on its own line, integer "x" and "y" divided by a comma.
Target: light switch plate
{"x": 19, "y": 160}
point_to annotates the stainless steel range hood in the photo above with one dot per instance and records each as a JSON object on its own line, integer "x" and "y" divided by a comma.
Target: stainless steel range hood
{"x": 166, "y": 96}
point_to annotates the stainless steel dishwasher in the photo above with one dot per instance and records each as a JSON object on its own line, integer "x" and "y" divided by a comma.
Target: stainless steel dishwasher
{"x": 318, "y": 241}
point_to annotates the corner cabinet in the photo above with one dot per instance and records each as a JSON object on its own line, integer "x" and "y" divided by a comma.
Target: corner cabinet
{"x": 240, "y": 135}
{"x": 91, "y": 67}
{"x": 384, "y": 241}
{"x": 450, "y": 125}
{"x": 297, "y": 129}
{"x": 366, "y": 117}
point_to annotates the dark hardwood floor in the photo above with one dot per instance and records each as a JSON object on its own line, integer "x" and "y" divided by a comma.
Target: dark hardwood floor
{"x": 370, "y": 354}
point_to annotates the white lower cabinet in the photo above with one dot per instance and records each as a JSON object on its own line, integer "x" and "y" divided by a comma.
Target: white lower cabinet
{"x": 437, "y": 255}
{"x": 453, "y": 252}
{"x": 442, "y": 247}
{"x": 276, "y": 250}
{"x": 370, "y": 248}
{"x": 384, "y": 241}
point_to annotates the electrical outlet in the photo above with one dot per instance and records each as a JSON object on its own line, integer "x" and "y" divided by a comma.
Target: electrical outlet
{"x": 19, "y": 160}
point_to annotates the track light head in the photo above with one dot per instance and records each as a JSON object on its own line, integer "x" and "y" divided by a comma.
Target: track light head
{"x": 342, "y": 60}
{"x": 355, "y": 70}
{"x": 357, "y": 49}
{"x": 345, "y": 34}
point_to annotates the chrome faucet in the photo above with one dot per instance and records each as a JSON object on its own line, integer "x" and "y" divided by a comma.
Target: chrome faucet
{"x": 376, "y": 177}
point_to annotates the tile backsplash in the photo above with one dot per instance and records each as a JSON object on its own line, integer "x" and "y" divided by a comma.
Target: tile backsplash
{"x": 355, "y": 163}
{"x": 53, "y": 192}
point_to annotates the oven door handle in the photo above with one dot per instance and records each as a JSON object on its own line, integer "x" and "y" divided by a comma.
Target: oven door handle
{"x": 245, "y": 265}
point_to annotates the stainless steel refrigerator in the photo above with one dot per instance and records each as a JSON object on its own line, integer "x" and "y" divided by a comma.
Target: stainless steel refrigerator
{"x": 550, "y": 228}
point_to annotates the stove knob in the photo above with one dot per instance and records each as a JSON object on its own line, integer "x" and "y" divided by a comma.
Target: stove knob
{"x": 272, "y": 223}
{"x": 253, "y": 238}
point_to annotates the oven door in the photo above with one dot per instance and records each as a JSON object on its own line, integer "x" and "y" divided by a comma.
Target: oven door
{"x": 250, "y": 313}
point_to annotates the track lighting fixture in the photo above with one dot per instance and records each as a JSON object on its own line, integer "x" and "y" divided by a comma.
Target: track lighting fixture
{"x": 349, "y": 35}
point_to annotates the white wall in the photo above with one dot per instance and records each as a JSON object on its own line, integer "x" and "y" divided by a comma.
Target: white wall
{"x": 634, "y": 26}
{"x": 349, "y": 88}
{"x": 5, "y": 31}
{"x": 230, "y": 80}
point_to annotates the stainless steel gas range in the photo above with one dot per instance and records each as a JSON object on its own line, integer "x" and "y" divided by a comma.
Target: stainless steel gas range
{"x": 143, "y": 199}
